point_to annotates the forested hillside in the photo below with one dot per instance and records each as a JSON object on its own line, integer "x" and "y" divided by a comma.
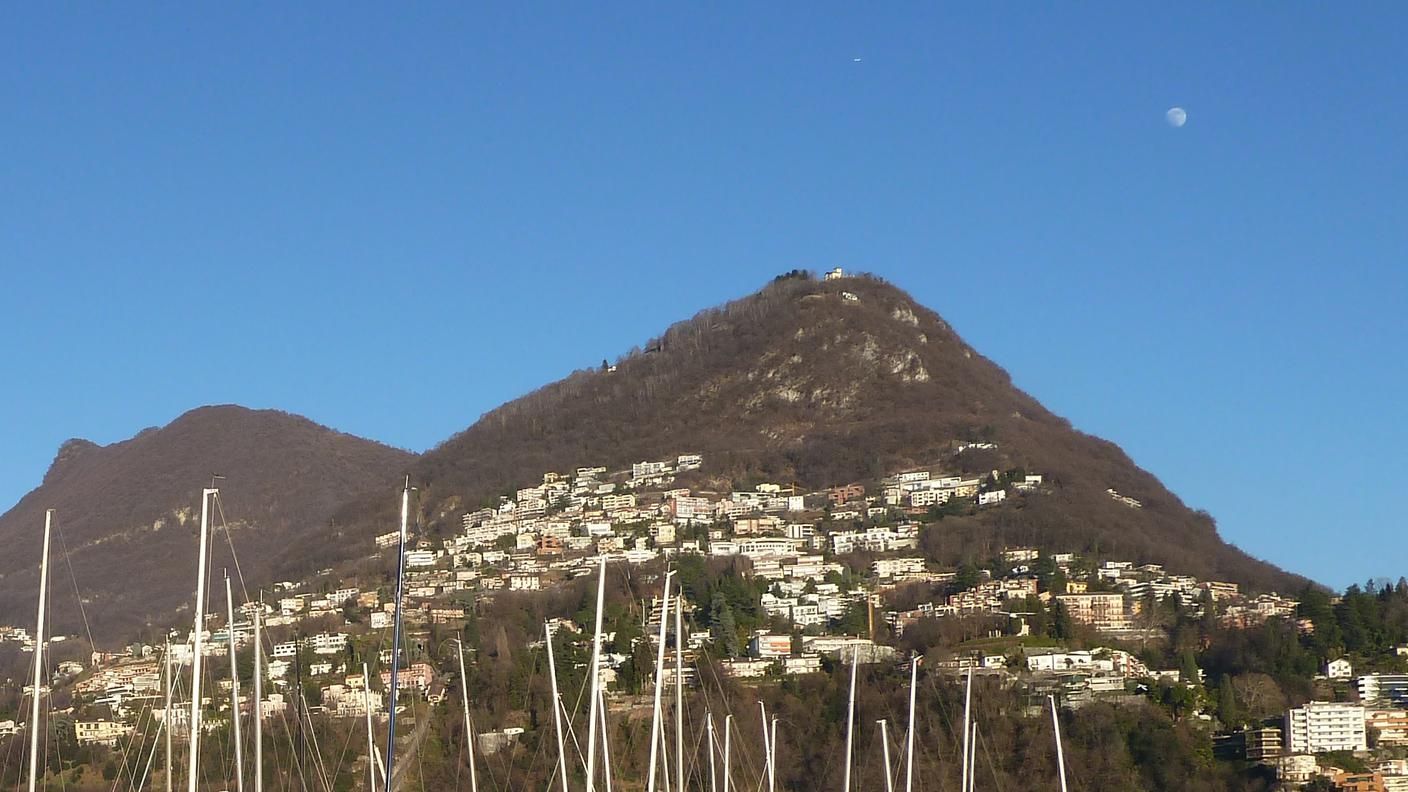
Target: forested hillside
{"x": 822, "y": 382}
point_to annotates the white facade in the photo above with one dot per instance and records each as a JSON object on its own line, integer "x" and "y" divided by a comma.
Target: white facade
{"x": 1322, "y": 726}
{"x": 1339, "y": 669}
{"x": 996, "y": 496}
{"x": 896, "y": 567}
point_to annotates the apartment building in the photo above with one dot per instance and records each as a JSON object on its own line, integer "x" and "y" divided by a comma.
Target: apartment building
{"x": 770, "y": 645}
{"x": 1103, "y": 611}
{"x": 1383, "y": 689}
{"x": 100, "y": 732}
{"x": 1322, "y": 726}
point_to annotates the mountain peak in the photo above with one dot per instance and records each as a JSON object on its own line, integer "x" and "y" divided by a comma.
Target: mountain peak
{"x": 116, "y": 505}
{"x": 826, "y": 381}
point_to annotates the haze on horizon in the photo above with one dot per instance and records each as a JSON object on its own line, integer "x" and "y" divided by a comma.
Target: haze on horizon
{"x": 391, "y": 222}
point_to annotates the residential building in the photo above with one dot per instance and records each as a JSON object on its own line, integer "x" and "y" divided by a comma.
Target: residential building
{"x": 1103, "y": 611}
{"x": 885, "y": 568}
{"x": 1262, "y": 744}
{"x": 989, "y": 498}
{"x": 1359, "y": 782}
{"x": 1067, "y": 661}
{"x": 849, "y": 492}
{"x": 1339, "y": 668}
{"x": 770, "y": 645}
{"x": 1322, "y": 726}
{"x": 613, "y": 503}
{"x": 1383, "y": 689}
{"x": 1296, "y": 768}
{"x": 100, "y": 732}
{"x": 747, "y": 669}
{"x": 1391, "y": 725}
{"x": 687, "y": 508}
{"x": 801, "y": 664}
{"x": 418, "y": 676}
{"x": 524, "y": 582}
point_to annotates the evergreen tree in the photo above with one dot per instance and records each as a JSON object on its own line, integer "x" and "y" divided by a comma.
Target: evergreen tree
{"x": 722, "y": 626}
{"x": 1227, "y": 710}
{"x": 968, "y": 576}
{"x": 1060, "y": 626}
{"x": 1188, "y": 668}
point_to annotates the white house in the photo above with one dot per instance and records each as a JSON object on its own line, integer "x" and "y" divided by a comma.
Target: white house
{"x": 987, "y": 498}
{"x": 1339, "y": 668}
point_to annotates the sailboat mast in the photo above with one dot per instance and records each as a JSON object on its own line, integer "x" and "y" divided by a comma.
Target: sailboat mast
{"x": 767, "y": 752}
{"x": 679, "y": 693}
{"x": 772, "y": 742}
{"x": 468, "y": 724}
{"x": 656, "y": 713}
{"x": 728, "y": 744}
{"x": 257, "y": 710}
{"x": 234, "y": 684}
{"x": 197, "y": 641}
{"x": 1060, "y": 754}
{"x": 556, "y": 708}
{"x": 851, "y": 717}
{"x": 713, "y": 771}
{"x": 885, "y": 745}
{"x": 967, "y": 707}
{"x": 595, "y": 670}
{"x": 973, "y": 761}
{"x": 166, "y": 660}
{"x": 909, "y": 734}
{"x": 39, "y": 654}
{"x": 396, "y": 633}
{"x": 371, "y": 739}
{"x": 605, "y": 742}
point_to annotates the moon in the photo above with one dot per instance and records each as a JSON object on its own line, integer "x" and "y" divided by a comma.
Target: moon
{"x": 1176, "y": 117}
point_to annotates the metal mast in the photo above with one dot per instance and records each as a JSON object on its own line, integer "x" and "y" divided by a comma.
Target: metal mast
{"x": 1060, "y": 755}
{"x": 197, "y": 640}
{"x": 885, "y": 746}
{"x": 257, "y": 710}
{"x": 655, "y": 725}
{"x": 679, "y": 693}
{"x": 595, "y": 670}
{"x": 371, "y": 740}
{"x": 234, "y": 684}
{"x": 556, "y": 709}
{"x": 728, "y": 735}
{"x": 170, "y": 681}
{"x": 39, "y": 655}
{"x": 767, "y": 752}
{"x": 468, "y": 725}
{"x": 909, "y": 735}
{"x": 713, "y": 770}
{"x": 967, "y": 707}
{"x": 851, "y": 717}
{"x": 396, "y": 633}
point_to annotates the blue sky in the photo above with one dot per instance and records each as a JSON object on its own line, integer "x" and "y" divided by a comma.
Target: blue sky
{"x": 394, "y": 219}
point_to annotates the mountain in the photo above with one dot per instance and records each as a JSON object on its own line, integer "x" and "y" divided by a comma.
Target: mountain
{"x": 806, "y": 382}
{"x": 128, "y": 514}
{"x": 824, "y": 382}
